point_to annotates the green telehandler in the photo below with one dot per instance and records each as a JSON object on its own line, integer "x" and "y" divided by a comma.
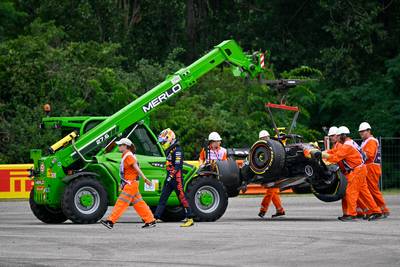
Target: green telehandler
{"x": 79, "y": 176}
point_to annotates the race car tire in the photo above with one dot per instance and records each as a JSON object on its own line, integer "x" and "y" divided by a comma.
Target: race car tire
{"x": 229, "y": 175}
{"x": 334, "y": 192}
{"x": 267, "y": 157}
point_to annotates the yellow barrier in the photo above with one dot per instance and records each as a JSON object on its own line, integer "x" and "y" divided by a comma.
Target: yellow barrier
{"x": 14, "y": 181}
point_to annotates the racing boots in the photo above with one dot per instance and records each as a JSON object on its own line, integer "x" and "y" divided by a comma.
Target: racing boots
{"x": 189, "y": 222}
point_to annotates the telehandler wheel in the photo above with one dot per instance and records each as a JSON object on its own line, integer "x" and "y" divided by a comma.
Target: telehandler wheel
{"x": 171, "y": 214}
{"x": 84, "y": 200}
{"x": 45, "y": 213}
{"x": 208, "y": 198}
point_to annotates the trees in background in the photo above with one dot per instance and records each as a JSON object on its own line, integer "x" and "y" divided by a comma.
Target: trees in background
{"x": 92, "y": 57}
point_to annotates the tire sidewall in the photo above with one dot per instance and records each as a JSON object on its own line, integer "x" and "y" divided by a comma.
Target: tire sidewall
{"x": 44, "y": 213}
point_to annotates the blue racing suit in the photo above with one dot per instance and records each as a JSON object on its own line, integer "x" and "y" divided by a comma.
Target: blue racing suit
{"x": 174, "y": 181}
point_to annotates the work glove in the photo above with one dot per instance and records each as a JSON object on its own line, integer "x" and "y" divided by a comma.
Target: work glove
{"x": 325, "y": 155}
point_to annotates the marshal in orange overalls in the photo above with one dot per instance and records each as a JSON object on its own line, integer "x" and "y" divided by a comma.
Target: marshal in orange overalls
{"x": 272, "y": 194}
{"x": 130, "y": 193}
{"x": 356, "y": 173}
{"x": 372, "y": 150}
{"x": 342, "y": 169}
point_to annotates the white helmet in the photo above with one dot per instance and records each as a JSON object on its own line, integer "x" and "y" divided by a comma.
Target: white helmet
{"x": 343, "y": 130}
{"x": 263, "y": 133}
{"x": 214, "y": 136}
{"x": 364, "y": 126}
{"x": 333, "y": 131}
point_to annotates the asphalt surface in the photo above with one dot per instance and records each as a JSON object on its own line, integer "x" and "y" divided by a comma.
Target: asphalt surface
{"x": 309, "y": 235}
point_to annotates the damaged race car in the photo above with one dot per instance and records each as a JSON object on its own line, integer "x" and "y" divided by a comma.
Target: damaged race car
{"x": 273, "y": 164}
{"x": 284, "y": 162}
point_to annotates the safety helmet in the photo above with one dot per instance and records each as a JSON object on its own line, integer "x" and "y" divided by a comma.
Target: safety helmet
{"x": 333, "y": 131}
{"x": 343, "y": 130}
{"x": 263, "y": 133}
{"x": 166, "y": 138}
{"x": 364, "y": 126}
{"x": 214, "y": 136}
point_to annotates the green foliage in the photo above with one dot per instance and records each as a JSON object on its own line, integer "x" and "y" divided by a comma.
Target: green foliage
{"x": 376, "y": 101}
{"x": 10, "y": 20}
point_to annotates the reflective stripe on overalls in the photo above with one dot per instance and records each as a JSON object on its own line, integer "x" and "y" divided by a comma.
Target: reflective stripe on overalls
{"x": 128, "y": 198}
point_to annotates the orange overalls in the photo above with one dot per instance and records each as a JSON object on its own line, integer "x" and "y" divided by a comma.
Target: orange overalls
{"x": 356, "y": 172}
{"x": 130, "y": 192}
{"x": 272, "y": 194}
{"x": 342, "y": 168}
{"x": 371, "y": 148}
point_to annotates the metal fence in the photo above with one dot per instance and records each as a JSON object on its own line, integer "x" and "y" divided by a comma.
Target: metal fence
{"x": 390, "y": 162}
{"x": 390, "y": 149}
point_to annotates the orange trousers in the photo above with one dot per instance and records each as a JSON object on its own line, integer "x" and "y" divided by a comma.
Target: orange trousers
{"x": 357, "y": 188}
{"x": 130, "y": 194}
{"x": 271, "y": 194}
{"x": 374, "y": 173}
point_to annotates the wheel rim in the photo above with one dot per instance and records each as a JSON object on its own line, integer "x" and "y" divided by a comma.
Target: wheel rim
{"x": 207, "y": 199}
{"x": 87, "y": 200}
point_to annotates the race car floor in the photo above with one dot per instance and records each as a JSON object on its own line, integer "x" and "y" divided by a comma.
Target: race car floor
{"x": 309, "y": 235}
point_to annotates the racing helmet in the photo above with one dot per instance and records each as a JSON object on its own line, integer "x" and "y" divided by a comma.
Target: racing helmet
{"x": 166, "y": 138}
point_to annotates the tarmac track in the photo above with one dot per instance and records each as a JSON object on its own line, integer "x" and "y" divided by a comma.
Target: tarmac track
{"x": 310, "y": 234}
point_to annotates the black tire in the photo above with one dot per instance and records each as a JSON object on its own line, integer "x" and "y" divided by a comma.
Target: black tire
{"x": 45, "y": 213}
{"x": 304, "y": 188}
{"x": 229, "y": 175}
{"x": 78, "y": 213}
{"x": 267, "y": 157}
{"x": 336, "y": 191}
{"x": 207, "y": 185}
{"x": 171, "y": 214}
